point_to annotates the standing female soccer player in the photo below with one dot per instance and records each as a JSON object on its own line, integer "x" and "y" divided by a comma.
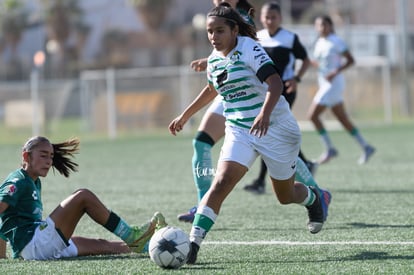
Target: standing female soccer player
{"x": 330, "y": 51}
{"x": 211, "y": 128}
{"x": 33, "y": 238}
{"x": 258, "y": 122}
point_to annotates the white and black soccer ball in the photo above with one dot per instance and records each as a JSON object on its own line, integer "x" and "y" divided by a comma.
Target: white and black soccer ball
{"x": 169, "y": 247}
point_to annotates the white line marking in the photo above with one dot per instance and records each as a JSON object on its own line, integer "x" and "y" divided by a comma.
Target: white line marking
{"x": 309, "y": 243}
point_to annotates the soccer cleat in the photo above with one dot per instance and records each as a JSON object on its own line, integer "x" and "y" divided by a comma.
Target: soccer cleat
{"x": 315, "y": 213}
{"x": 312, "y": 166}
{"x": 326, "y": 200}
{"x": 160, "y": 223}
{"x": 189, "y": 216}
{"x": 257, "y": 187}
{"x": 142, "y": 234}
{"x": 192, "y": 255}
{"x": 368, "y": 152}
{"x": 328, "y": 155}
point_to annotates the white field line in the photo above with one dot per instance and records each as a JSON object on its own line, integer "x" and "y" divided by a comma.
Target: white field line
{"x": 292, "y": 243}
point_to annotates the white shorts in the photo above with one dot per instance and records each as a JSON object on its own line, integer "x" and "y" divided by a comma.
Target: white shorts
{"x": 279, "y": 148}
{"x": 216, "y": 106}
{"x": 330, "y": 93}
{"x": 47, "y": 244}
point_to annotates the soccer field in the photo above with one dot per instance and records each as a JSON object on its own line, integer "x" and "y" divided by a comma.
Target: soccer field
{"x": 370, "y": 228}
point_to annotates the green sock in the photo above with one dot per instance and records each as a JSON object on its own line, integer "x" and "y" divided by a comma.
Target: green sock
{"x": 358, "y": 137}
{"x": 118, "y": 226}
{"x": 309, "y": 200}
{"x": 304, "y": 176}
{"x": 203, "y": 170}
{"x": 203, "y": 221}
{"x": 325, "y": 138}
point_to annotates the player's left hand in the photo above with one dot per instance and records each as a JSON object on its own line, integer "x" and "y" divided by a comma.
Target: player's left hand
{"x": 291, "y": 85}
{"x": 330, "y": 76}
{"x": 260, "y": 126}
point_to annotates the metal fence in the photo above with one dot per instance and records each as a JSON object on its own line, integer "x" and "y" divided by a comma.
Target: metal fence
{"x": 113, "y": 102}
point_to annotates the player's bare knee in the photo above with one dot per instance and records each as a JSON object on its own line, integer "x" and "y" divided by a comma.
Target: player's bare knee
{"x": 84, "y": 194}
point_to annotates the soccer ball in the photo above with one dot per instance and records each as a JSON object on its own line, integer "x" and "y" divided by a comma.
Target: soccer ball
{"x": 169, "y": 247}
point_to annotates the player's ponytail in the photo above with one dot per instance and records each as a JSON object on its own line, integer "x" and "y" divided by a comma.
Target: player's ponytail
{"x": 63, "y": 153}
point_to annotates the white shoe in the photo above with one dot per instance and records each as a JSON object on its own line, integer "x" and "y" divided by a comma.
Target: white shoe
{"x": 328, "y": 155}
{"x": 368, "y": 152}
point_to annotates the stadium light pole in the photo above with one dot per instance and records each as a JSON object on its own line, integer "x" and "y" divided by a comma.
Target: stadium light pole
{"x": 405, "y": 94}
{"x": 38, "y": 61}
{"x": 111, "y": 102}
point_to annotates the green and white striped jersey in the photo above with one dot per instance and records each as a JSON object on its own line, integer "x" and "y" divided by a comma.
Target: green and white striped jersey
{"x": 239, "y": 79}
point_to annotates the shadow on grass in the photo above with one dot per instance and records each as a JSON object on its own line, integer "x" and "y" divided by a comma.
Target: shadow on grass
{"x": 205, "y": 266}
{"x": 359, "y": 191}
{"x": 258, "y": 229}
{"x": 132, "y": 256}
{"x": 362, "y": 256}
{"x": 373, "y": 225}
{"x": 376, "y": 255}
{"x": 347, "y": 226}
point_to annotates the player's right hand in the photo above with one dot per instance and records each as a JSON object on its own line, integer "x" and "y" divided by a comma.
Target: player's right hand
{"x": 177, "y": 125}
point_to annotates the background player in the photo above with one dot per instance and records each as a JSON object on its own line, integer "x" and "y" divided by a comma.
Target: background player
{"x": 330, "y": 52}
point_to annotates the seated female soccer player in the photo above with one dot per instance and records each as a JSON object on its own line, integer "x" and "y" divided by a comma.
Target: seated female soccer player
{"x": 34, "y": 238}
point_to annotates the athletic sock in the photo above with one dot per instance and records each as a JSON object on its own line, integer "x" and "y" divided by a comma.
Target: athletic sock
{"x": 203, "y": 221}
{"x": 325, "y": 138}
{"x": 118, "y": 226}
{"x": 310, "y": 198}
{"x": 203, "y": 170}
{"x": 304, "y": 176}
{"x": 358, "y": 137}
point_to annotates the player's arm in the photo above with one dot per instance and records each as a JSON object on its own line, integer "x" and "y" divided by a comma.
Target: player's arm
{"x": 3, "y": 244}
{"x": 262, "y": 121}
{"x": 302, "y": 69}
{"x": 299, "y": 51}
{"x": 206, "y": 96}
{"x": 3, "y": 206}
{"x": 349, "y": 61}
{"x": 199, "y": 65}
{"x": 291, "y": 84}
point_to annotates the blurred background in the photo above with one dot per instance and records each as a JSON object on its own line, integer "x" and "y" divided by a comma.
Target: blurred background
{"x": 115, "y": 67}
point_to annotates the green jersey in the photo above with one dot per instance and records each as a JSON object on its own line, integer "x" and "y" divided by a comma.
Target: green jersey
{"x": 19, "y": 221}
